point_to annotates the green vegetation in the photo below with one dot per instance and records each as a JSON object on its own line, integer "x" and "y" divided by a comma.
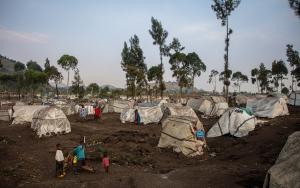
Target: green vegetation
{"x": 223, "y": 9}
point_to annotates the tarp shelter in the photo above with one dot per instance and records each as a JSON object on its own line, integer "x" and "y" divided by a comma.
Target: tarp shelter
{"x": 294, "y": 98}
{"x": 269, "y": 107}
{"x": 68, "y": 109}
{"x": 147, "y": 114}
{"x": 179, "y": 111}
{"x": 236, "y": 122}
{"x": 209, "y": 106}
{"x": 50, "y": 120}
{"x": 24, "y": 114}
{"x": 286, "y": 170}
{"x": 118, "y": 105}
{"x": 178, "y": 133}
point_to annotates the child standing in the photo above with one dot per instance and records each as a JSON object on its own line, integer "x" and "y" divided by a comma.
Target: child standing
{"x": 59, "y": 158}
{"x": 105, "y": 162}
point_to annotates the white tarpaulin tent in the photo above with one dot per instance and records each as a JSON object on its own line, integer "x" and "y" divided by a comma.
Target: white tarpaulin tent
{"x": 24, "y": 114}
{"x": 50, "y": 120}
{"x": 294, "y": 98}
{"x": 147, "y": 114}
{"x": 236, "y": 122}
{"x": 177, "y": 133}
{"x": 286, "y": 170}
{"x": 179, "y": 111}
{"x": 268, "y": 107}
{"x": 209, "y": 106}
{"x": 118, "y": 105}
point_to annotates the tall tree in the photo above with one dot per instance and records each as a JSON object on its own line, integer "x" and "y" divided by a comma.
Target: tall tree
{"x": 223, "y": 9}
{"x": 68, "y": 62}
{"x": 213, "y": 79}
{"x": 1, "y": 65}
{"x": 239, "y": 78}
{"x": 264, "y": 76}
{"x": 77, "y": 84}
{"x": 57, "y": 77}
{"x": 159, "y": 36}
{"x": 196, "y": 66}
{"x": 222, "y": 76}
{"x": 133, "y": 64}
{"x": 294, "y": 61}
{"x": 295, "y": 5}
{"x": 154, "y": 74}
{"x": 19, "y": 69}
{"x": 32, "y": 65}
{"x": 254, "y": 78}
{"x": 93, "y": 88}
{"x": 279, "y": 71}
{"x": 180, "y": 69}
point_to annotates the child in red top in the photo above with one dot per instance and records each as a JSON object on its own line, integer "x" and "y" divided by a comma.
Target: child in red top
{"x": 97, "y": 113}
{"x": 105, "y": 162}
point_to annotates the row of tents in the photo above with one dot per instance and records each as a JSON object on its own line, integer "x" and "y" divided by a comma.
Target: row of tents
{"x": 177, "y": 120}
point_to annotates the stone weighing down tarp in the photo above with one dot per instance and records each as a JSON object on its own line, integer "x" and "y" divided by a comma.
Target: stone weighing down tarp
{"x": 178, "y": 132}
{"x": 24, "y": 114}
{"x": 179, "y": 111}
{"x": 50, "y": 120}
{"x": 236, "y": 122}
{"x": 147, "y": 114}
{"x": 269, "y": 107}
{"x": 209, "y": 106}
{"x": 286, "y": 170}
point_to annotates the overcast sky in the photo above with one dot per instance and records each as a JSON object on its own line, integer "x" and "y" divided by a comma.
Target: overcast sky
{"x": 94, "y": 32}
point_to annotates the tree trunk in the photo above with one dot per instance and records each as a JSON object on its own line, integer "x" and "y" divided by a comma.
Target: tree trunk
{"x": 226, "y": 60}
{"x": 56, "y": 90}
{"x": 193, "y": 81}
{"x": 281, "y": 85}
{"x": 293, "y": 80}
{"x": 161, "y": 69}
{"x": 68, "y": 84}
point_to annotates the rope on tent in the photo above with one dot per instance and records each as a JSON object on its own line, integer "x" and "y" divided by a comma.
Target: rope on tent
{"x": 237, "y": 129}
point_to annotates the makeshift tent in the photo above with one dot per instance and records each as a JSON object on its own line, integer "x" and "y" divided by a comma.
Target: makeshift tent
{"x": 236, "y": 122}
{"x": 268, "y": 107}
{"x": 294, "y": 98}
{"x": 5, "y": 115}
{"x": 241, "y": 100}
{"x": 50, "y": 120}
{"x": 209, "y": 106}
{"x": 179, "y": 111}
{"x": 118, "y": 105}
{"x": 147, "y": 114}
{"x": 68, "y": 109}
{"x": 178, "y": 132}
{"x": 286, "y": 170}
{"x": 23, "y": 114}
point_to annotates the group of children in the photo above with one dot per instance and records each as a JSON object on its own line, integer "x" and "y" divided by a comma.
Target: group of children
{"x": 78, "y": 160}
{"x": 83, "y": 112}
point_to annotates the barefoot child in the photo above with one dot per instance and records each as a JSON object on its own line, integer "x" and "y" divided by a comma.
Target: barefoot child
{"x": 59, "y": 158}
{"x": 105, "y": 162}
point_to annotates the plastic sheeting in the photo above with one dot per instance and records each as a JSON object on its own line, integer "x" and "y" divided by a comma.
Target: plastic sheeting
{"x": 235, "y": 122}
{"x": 118, "y": 105}
{"x": 179, "y": 111}
{"x": 269, "y": 107}
{"x": 50, "y": 120}
{"x": 177, "y": 133}
{"x": 147, "y": 114}
{"x": 24, "y": 114}
{"x": 286, "y": 170}
{"x": 209, "y": 106}
{"x": 294, "y": 98}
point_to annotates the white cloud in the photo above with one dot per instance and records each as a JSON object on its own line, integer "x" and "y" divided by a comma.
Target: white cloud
{"x": 10, "y": 35}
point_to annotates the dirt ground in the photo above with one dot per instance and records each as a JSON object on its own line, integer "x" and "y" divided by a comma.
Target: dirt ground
{"x": 28, "y": 161}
